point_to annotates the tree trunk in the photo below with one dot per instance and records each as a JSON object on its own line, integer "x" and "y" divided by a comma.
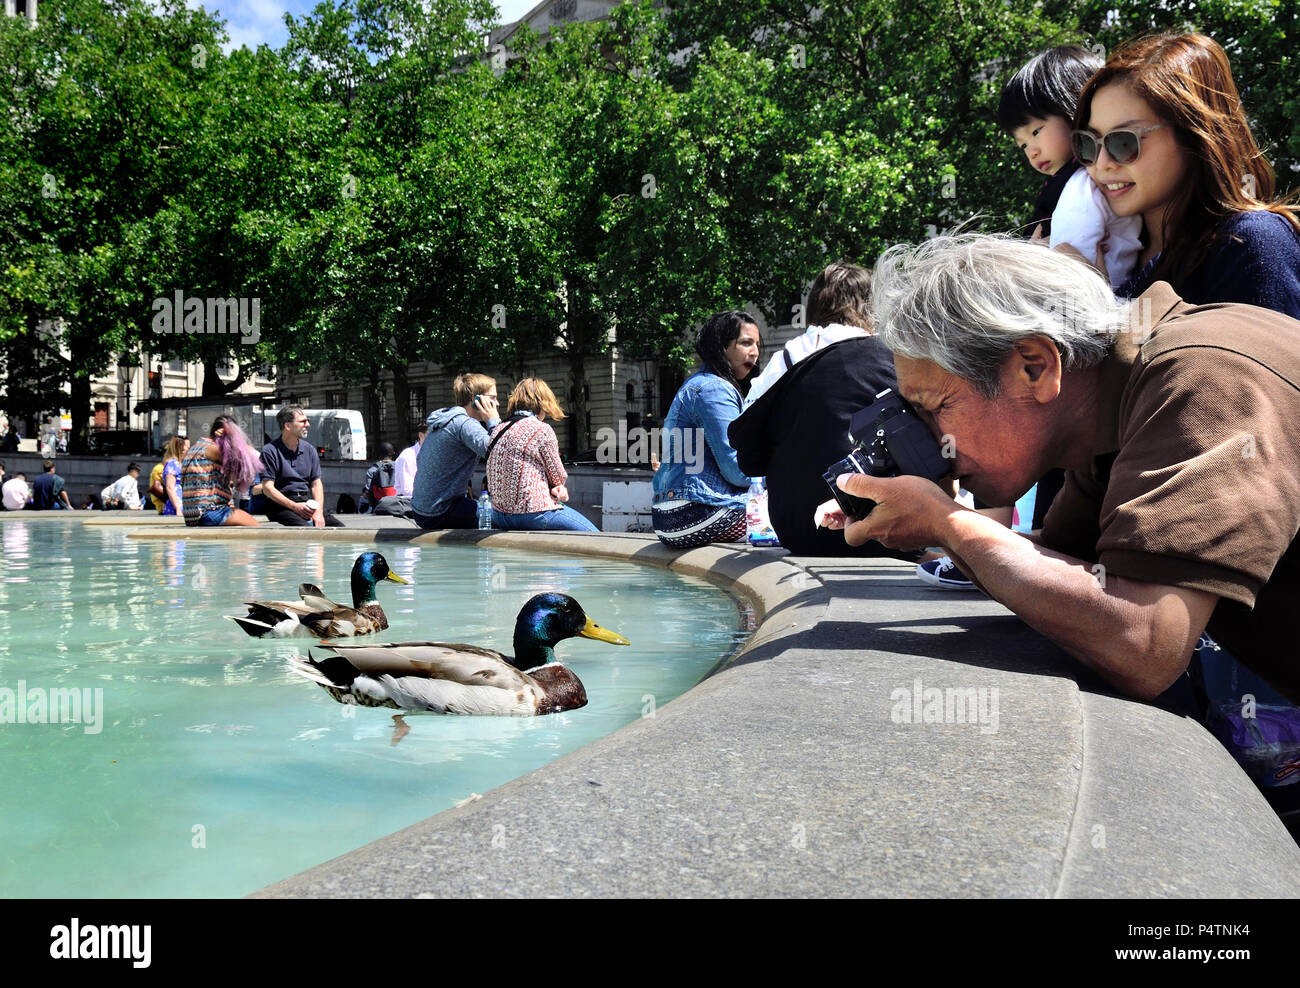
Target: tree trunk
{"x": 213, "y": 386}
{"x": 79, "y": 406}
{"x": 402, "y": 399}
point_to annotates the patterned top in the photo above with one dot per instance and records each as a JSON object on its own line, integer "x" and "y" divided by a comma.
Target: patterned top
{"x": 203, "y": 486}
{"x": 523, "y": 468}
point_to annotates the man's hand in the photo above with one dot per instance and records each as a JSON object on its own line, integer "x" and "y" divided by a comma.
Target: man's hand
{"x": 317, "y": 517}
{"x": 910, "y": 512}
{"x": 484, "y": 408}
{"x": 301, "y": 510}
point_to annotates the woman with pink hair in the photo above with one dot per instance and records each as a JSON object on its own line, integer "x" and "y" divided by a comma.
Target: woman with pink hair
{"x": 213, "y": 469}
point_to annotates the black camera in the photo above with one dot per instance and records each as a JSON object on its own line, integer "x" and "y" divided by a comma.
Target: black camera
{"x": 890, "y": 440}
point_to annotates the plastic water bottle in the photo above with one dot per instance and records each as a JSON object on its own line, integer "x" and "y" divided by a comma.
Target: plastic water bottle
{"x": 484, "y": 511}
{"x": 758, "y": 526}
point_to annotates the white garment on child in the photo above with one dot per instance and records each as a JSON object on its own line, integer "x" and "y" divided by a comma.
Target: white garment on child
{"x": 802, "y": 346}
{"x": 1083, "y": 218}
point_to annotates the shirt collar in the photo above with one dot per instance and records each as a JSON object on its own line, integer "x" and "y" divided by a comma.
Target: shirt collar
{"x": 1148, "y": 310}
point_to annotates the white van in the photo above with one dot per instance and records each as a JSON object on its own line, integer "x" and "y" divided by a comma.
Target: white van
{"x": 339, "y": 431}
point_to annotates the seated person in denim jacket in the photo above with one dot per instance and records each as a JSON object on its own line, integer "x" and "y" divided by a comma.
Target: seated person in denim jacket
{"x": 699, "y": 489}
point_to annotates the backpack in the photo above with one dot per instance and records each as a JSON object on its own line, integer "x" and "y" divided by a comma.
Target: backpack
{"x": 381, "y": 484}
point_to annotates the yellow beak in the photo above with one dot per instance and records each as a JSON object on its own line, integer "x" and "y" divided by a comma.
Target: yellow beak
{"x": 593, "y": 630}
{"x": 395, "y": 578}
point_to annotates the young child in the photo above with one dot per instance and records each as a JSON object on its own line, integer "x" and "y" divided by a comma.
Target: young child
{"x": 1037, "y": 109}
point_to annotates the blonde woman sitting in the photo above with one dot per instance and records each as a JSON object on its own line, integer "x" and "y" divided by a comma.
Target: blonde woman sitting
{"x": 524, "y": 474}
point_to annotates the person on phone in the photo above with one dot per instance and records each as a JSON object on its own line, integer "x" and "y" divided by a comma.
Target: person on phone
{"x": 457, "y": 439}
{"x": 291, "y": 483}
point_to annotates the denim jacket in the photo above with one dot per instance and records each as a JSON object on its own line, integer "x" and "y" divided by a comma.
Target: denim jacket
{"x": 698, "y": 462}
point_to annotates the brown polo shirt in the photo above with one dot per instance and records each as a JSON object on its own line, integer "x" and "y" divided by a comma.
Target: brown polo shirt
{"x": 1196, "y": 478}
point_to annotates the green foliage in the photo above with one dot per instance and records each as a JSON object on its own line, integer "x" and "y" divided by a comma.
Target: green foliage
{"x": 392, "y": 190}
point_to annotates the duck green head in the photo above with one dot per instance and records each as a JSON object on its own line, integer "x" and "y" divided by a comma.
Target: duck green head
{"x": 368, "y": 570}
{"x": 547, "y": 620}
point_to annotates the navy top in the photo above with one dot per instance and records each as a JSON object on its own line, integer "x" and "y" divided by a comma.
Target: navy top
{"x": 291, "y": 471}
{"x": 45, "y": 491}
{"x": 1255, "y": 259}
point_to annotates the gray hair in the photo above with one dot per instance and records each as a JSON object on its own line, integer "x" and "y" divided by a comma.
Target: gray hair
{"x": 963, "y": 302}
{"x": 287, "y": 414}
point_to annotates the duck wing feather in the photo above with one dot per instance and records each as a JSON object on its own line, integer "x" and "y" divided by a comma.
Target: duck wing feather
{"x": 343, "y": 622}
{"x": 452, "y": 661}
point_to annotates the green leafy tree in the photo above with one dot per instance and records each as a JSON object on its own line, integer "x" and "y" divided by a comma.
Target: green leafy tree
{"x": 104, "y": 100}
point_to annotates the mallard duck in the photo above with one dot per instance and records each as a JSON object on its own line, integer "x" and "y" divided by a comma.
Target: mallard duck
{"x": 450, "y": 678}
{"x": 316, "y": 614}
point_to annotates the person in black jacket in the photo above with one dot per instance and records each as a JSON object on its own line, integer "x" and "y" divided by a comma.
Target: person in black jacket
{"x": 798, "y": 426}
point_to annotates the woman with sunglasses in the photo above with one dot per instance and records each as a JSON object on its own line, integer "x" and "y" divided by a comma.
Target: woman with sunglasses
{"x": 1162, "y": 132}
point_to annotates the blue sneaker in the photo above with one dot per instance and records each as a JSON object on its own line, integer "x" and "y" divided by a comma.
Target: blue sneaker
{"x": 943, "y": 574}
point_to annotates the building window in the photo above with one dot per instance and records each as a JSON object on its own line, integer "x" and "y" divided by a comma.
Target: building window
{"x": 416, "y": 402}
{"x": 226, "y": 368}
{"x": 178, "y": 366}
{"x": 336, "y": 399}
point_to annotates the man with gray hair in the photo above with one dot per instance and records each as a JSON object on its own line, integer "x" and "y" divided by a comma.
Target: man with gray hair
{"x": 1176, "y": 424}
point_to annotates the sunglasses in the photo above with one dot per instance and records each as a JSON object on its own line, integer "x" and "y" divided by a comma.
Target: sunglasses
{"x": 1122, "y": 145}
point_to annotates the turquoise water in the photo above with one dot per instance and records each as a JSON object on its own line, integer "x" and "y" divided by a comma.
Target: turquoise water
{"x": 214, "y": 770}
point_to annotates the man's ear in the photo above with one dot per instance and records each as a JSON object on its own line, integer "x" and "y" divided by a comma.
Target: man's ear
{"x": 1036, "y": 368}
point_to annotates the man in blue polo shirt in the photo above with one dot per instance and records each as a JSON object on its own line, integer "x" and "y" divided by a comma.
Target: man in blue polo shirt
{"x": 291, "y": 479}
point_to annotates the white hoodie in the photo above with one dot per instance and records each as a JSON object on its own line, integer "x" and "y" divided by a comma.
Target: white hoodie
{"x": 800, "y": 348}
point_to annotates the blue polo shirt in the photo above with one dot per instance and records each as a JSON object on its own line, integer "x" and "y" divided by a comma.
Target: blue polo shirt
{"x": 292, "y": 471}
{"x": 45, "y": 491}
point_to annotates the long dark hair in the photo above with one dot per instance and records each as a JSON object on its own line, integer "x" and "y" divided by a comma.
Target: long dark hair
{"x": 1187, "y": 81}
{"x": 722, "y": 330}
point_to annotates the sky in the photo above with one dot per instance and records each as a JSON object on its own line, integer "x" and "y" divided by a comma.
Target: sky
{"x": 255, "y": 22}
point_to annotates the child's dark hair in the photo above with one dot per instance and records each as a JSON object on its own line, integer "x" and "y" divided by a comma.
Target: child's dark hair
{"x": 722, "y": 330}
{"x": 1048, "y": 84}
